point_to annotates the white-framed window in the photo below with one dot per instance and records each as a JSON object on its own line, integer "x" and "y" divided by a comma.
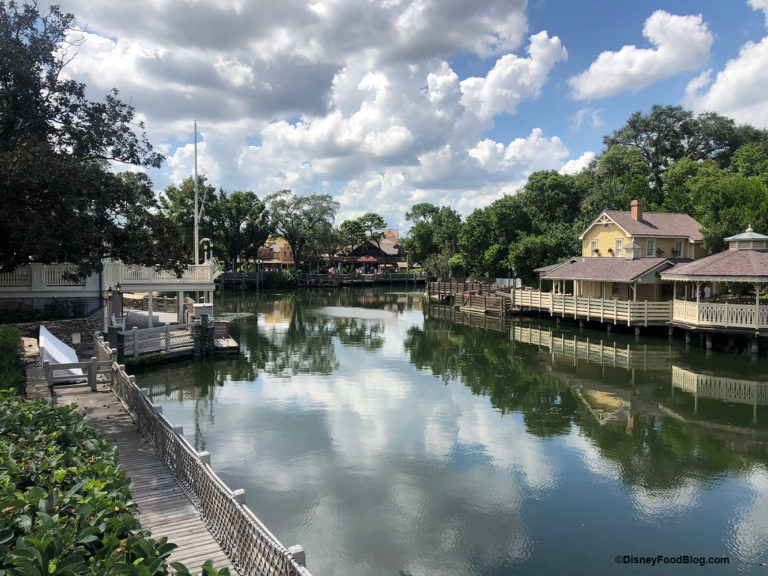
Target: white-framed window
{"x": 617, "y": 246}
{"x": 678, "y": 248}
{"x": 593, "y": 247}
{"x": 650, "y": 249}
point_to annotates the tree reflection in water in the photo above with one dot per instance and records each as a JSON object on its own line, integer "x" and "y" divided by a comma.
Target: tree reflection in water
{"x": 652, "y": 446}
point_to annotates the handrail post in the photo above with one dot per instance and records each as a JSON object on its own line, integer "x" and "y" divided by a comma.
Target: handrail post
{"x": 92, "y": 368}
{"x": 48, "y": 374}
{"x": 298, "y": 553}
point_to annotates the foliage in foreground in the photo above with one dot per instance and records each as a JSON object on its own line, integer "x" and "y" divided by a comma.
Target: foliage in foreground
{"x": 10, "y": 366}
{"x": 65, "y": 506}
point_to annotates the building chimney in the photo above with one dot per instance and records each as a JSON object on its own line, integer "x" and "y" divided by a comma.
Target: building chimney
{"x": 637, "y": 210}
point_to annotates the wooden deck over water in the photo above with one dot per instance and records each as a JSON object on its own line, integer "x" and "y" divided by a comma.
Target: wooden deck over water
{"x": 164, "y": 508}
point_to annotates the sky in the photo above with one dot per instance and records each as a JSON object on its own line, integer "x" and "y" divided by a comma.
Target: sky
{"x": 384, "y": 104}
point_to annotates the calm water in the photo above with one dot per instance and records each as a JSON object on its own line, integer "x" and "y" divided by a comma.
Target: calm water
{"x": 390, "y": 438}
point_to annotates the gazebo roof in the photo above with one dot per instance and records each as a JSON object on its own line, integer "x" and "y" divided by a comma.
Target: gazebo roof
{"x": 748, "y": 235}
{"x": 728, "y": 266}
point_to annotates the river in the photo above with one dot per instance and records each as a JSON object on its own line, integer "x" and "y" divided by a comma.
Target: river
{"x": 388, "y": 437}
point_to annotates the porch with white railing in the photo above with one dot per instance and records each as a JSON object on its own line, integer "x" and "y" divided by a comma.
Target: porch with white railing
{"x": 631, "y": 313}
{"x": 57, "y": 280}
{"x": 720, "y": 315}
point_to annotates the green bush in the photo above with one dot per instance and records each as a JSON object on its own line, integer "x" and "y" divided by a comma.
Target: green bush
{"x": 10, "y": 363}
{"x": 277, "y": 280}
{"x": 65, "y": 505}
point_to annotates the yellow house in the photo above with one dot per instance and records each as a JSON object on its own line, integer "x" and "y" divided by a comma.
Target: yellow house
{"x": 623, "y": 254}
{"x": 657, "y": 234}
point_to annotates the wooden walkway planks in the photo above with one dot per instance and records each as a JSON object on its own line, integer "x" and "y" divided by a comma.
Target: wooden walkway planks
{"x": 164, "y": 508}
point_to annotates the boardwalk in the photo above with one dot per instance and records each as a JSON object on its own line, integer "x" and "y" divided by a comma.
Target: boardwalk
{"x": 164, "y": 508}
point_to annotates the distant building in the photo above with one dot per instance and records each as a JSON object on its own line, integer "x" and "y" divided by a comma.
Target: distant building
{"x": 388, "y": 251}
{"x": 276, "y": 253}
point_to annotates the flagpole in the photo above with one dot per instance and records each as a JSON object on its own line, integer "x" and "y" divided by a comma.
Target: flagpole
{"x": 197, "y": 254}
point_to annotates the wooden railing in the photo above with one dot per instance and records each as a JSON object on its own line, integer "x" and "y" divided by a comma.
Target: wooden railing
{"x": 221, "y": 329}
{"x": 487, "y": 302}
{"x": 251, "y": 547}
{"x": 458, "y": 286}
{"x": 161, "y": 339}
{"x": 605, "y": 310}
{"x": 716, "y": 314}
{"x": 91, "y": 369}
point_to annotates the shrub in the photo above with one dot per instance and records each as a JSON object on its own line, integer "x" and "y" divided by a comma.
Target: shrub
{"x": 11, "y": 376}
{"x": 65, "y": 505}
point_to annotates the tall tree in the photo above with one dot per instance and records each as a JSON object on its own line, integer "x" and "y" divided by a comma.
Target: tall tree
{"x": 54, "y": 149}
{"x": 301, "y": 219}
{"x": 373, "y": 224}
{"x": 239, "y": 223}
{"x": 668, "y": 133}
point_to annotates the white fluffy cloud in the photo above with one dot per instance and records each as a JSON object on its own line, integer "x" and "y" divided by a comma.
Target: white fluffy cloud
{"x": 681, "y": 44}
{"x": 513, "y": 79}
{"x": 739, "y": 89}
{"x": 360, "y": 100}
{"x": 578, "y": 164}
{"x": 531, "y": 154}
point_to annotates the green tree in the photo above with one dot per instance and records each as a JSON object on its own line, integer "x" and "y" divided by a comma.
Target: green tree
{"x": 611, "y": 182}
{"x": 178, "y": 204}
{"x": 434, "y": 232}
{"x": 669, "y": 133}
{"x": 55, "y": 146}
{"x": 300, "y": 220}
{"x": 373, "y": 224}
{"x": 352, "y": 234}
{"x": 240, "y": 224}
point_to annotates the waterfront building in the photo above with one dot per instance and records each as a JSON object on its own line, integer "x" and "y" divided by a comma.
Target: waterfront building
{"x": 56, "y": 288}
{"x": 617, "y": 278}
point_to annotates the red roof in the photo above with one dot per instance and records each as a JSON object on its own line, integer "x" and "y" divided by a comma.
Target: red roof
{"x": 658, "y": 224}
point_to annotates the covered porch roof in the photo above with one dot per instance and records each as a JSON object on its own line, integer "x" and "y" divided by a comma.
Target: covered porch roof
{"x": 607, "y": 269}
